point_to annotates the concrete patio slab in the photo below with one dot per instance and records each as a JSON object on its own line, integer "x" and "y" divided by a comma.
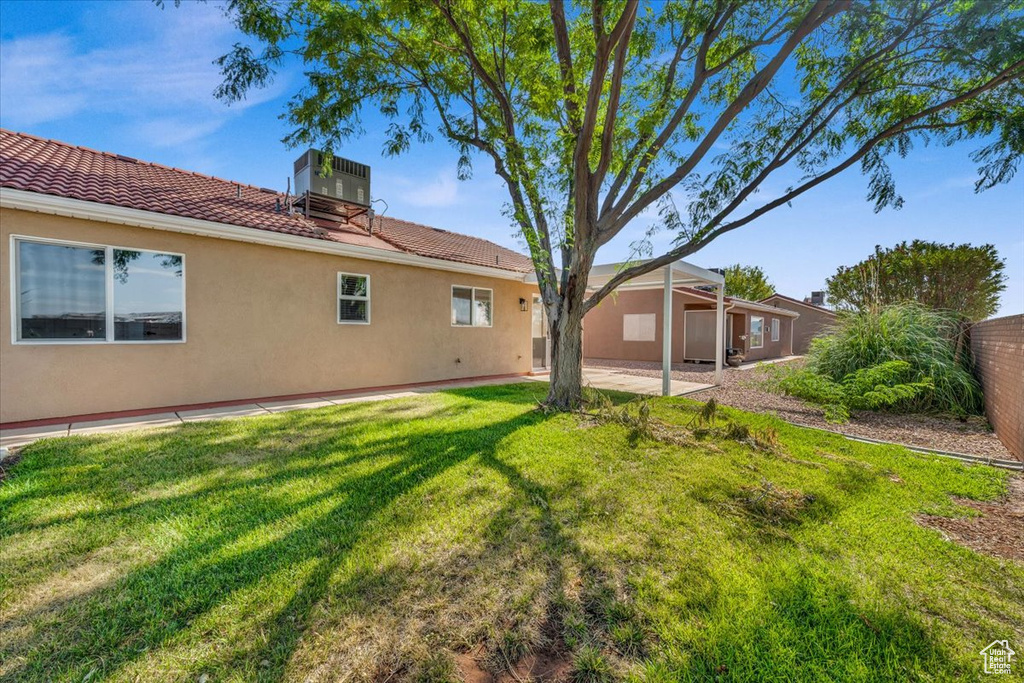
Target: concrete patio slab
{"x": 302, "y": 404}
{"x": 229, "y": 412}
{"x": 123, "y": 423}
{"x": 19, "y": 437}
{"x": 613, "y": 380}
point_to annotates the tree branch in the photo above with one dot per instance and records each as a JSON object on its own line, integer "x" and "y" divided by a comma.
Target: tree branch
{"x": 1013, "y": 72}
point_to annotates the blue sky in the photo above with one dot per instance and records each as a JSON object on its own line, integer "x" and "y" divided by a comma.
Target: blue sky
{"x": 130, "y": 78}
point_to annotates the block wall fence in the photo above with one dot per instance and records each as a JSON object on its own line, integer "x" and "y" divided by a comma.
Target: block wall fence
{"x": 998, "y": 346}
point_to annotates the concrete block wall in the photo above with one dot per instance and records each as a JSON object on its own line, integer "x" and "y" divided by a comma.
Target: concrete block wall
{"x": 998, "y": 346}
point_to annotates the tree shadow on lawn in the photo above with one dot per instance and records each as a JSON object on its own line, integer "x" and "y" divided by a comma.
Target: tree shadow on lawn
{"x": 109, "y": 628}
{"x": 355, "y": 472}
{"x": 811, "y": 629}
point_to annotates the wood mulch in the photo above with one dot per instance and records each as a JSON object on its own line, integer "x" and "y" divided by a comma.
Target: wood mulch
{"x": 998, "y": 530}
{"x": 745, "y": 389}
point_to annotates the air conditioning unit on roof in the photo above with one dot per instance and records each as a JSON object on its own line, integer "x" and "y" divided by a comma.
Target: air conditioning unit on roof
{"x": 349, "y": 180}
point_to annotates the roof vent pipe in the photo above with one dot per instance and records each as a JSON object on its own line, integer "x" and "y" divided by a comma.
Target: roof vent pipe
{"x": 371, "y": 214}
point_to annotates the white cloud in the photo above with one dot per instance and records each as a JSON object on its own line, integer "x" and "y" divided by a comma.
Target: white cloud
{"x": 961, "y": 182}
{"x": 159, "y": 76}
{"x": 175, "y": 131}
{"x": 439, "y": 192}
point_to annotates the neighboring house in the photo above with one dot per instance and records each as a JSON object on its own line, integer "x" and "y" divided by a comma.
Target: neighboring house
{"x": 627, "y": 326}
{"x": 813, "y": 320}
{"x": 134, "y": 286}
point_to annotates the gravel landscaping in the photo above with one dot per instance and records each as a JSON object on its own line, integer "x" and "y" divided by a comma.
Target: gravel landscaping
{"x": 743, "y": 388}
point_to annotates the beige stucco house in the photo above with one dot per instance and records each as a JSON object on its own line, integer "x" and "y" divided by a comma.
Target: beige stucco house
{"x": 814, "y": 320}
{"x": 628, "y": 326}
{"x": 129, "y": 287}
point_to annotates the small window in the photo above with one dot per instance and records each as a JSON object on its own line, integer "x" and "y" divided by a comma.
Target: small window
{"x": 472, "y": 307}
{"x": 91, "y": 293}
{"x": 756, "y": 332}
{"x": 638, "y": 327}
{"x": 353, "y": 298}
{"x": 775, "y": 329}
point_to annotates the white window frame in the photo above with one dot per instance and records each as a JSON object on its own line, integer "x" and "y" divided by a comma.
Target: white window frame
{"x": 108, "y": 251}
{"x": 752, "y": 319}
{"x": 349, "y": 297}
{"x": 472, "y": 306}
{"x": 776, "y": 325}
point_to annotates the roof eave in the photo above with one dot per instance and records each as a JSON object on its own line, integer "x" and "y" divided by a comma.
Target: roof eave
{"x": 108, "y": 213}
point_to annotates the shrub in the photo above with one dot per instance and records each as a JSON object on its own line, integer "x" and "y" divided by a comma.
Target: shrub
{"x": 887, "y": 386}
{"x": 929, "y": 342}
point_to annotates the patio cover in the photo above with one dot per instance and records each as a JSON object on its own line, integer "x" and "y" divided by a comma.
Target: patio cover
{"x": 676, "y": 274}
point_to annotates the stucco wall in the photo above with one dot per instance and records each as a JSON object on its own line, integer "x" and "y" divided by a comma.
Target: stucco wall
{"x": 770, "y": 349}
{"x": 602, "y": 327}
{"x": 812, "y": 322}
{"x": 998, "y": 346}
{"x": 261, "y": 321}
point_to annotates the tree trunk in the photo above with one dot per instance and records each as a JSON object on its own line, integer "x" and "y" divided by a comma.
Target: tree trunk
{"x": 566, "y": 331}
{"x": 566, "y": 390}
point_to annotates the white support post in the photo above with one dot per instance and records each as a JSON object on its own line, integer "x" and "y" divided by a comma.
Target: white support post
{"x": 666, "y": 336}
{"x": 719, "y": 331}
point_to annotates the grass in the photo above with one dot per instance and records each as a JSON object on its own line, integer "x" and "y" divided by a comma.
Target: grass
{"x": 381, "y": 540}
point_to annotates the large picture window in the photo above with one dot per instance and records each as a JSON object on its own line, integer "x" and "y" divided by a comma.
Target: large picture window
{"x": 472, "y": 307}
{"x": 68, "y": 292}
{"x": 353, "y": 298}
{"x": 756, "y": 332}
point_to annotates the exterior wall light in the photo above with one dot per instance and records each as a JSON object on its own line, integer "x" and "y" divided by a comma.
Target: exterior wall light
{"x": 522, "y": 304}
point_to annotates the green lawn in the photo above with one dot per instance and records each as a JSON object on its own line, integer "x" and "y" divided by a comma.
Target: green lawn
{"x": 378, "y": 541}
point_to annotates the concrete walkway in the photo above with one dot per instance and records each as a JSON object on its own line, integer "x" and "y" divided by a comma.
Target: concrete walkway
{"x": 599, "y": 378}
{"x": 768, "y": 361}
{"x": 617, "y": 380}
{"x": 10, "y": 438}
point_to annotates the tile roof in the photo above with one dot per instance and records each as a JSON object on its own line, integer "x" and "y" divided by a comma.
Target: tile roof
{"x": 50, "y": 167}
{"x": 452, "y": 246}
{"x": 789, "y": 299}
{"x": 735, "y": 300}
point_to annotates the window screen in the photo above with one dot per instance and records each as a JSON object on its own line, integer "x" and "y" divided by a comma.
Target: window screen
{"x": 353, "y": 298}
{"x": 472, "y": 307}
{"x": 62, "y": 292}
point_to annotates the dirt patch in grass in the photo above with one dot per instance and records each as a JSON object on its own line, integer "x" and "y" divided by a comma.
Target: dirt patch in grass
{"x": 743, "y": 389}
{"x": 550, "y": 665}
{"x": 996, "y": 531}
{"x": 7, "y": 463}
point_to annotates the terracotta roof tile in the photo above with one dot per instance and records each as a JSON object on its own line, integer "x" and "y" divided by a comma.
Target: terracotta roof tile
{"x": 450, "y": 246}
{"x": 50, "y": 167}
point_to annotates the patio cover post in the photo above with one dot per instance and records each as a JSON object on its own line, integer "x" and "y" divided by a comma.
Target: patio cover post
{"x": 719, "y": 331}
{"x": 666, "y": 336}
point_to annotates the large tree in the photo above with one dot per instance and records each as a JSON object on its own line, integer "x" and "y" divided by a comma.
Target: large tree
{"x": 605, "y": 115}
{"x": 954, "y": 277}
{"x": 747, "y": 282}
